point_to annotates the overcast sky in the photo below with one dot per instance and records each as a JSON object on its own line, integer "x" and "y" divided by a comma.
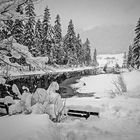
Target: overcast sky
{"x": 87, "y": 14}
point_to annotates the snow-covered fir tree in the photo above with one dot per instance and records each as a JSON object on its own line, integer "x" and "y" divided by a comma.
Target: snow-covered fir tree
{"x": 29, "y": 27}
{"x": 38, "y": 37}
{"x": 46, "y": 41}
{"x": 136, "y": 46}
{"x": 58, "y": 54}
{"x": 18, "y": 31}
{"x": 124, "y": 60}
{"x": 57, "y": 30}
{"x": 95, "y": 57}
{"x": 38, "y": 29}
{"x": 87, "y": 56}
{"x": 7, "y": 29}
{"x": 70, "y": 44}
{"x": 1, "y": 35}
{"x": 79, "y": 49}
{"x": 129, "y": 57}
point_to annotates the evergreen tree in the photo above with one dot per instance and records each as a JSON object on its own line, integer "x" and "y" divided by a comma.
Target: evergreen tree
{"x": 38, "y": 29}
{"x": 1, "y": 35}
{"x": 136, "y": 46}
{"x": 137, "y": 32}
{"x": 70, "y": 44}
{"x": 129, "y": 57}
{"x": 79, "y": 49}
{"x": 29, "y": 27}
{"x": 95, "y": 57}
{"x": 7, "y": 30}
{"x": 46, "y": 41}
{"x": 58, "y": 54}
{"x": 87, "y": 52}
{"x": 18, "y": 29}
{"x": 124, "y": 60}
{"x": 38, "y": 37}
{"x": 57, "y": 30}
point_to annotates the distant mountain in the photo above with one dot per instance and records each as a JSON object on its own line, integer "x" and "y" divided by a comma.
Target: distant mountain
{"x": 110, "y": 39}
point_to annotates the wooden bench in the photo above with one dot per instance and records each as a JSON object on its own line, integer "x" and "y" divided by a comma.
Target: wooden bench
{"x": 6, "y": 106}
{"x": 79, "y": 113}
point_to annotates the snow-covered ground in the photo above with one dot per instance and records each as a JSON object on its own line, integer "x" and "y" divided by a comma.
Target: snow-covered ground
{"x": 28, "y": 127}
{"x": 119, "y": 116}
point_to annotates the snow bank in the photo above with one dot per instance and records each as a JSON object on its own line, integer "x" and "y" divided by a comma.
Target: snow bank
{"x": 28, "y": 127}
{"x": 132, "y": 80}
{"x": 119, "y": 116}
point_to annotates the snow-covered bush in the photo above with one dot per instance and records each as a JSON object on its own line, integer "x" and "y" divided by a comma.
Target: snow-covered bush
{"x": 38, "y": 108}
{"x": 119, "y": 85}
{"x": 8, "y": 99}
{"x": 16, "y": 90}
{"x": 40, "y": 95}
{"x": 55, "y": 102}
{"x": 16, "y": 108}
{"x": 42, "y": 101}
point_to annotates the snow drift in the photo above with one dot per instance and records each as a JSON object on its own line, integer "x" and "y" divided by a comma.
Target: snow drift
{"x": 28, "y": 127}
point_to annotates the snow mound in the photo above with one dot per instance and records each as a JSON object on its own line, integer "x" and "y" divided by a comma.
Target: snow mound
{"x": 132, "y": 80}
{"x": 28, "y": 127}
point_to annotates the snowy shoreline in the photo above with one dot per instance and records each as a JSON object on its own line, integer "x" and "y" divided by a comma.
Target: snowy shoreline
{"x": 119, "y": 116}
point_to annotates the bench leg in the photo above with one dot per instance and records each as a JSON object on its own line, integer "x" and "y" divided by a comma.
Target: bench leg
{"x": 7, "y": 109}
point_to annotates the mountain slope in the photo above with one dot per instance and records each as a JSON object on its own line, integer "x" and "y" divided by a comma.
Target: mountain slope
{"x": 110, "y": 39}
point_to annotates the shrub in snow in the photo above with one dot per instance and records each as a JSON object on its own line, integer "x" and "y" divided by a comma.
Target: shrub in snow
{"x": 38, "y": 108}
{"x": 24, "y": 105}
{"x": 54, "y": 102}
{"x": 40, "y": 95}
{"x": 49, "y": 109}
{"x": 8, "y": 99}
{"x": 42, "y": 101}
{"x": 16, "y": 108}
{"x": 120, "y": 86}
{"x": 26, "y": 101}
{"x": 16, "y": 90}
